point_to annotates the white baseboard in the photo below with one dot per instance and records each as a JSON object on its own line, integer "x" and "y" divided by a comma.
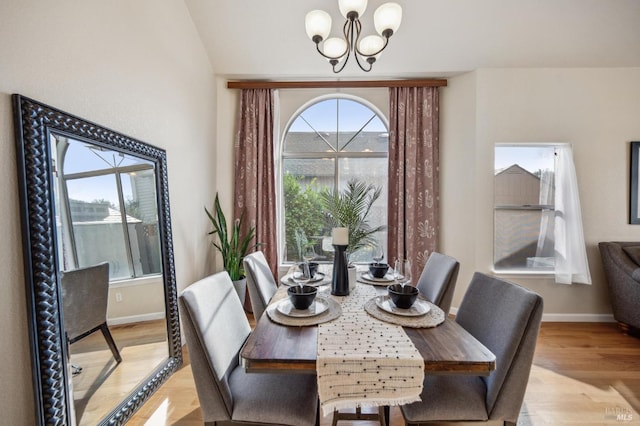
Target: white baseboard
{"x": 578, "y": 318}
{"x": 135, "y": 318}
{"x": 569, "y": 317}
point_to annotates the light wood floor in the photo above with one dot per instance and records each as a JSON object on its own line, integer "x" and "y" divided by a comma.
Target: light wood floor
{"x": 583, "y": 374}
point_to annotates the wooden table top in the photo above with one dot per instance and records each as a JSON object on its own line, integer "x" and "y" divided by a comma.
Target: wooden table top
{"x": 446, "y": 349}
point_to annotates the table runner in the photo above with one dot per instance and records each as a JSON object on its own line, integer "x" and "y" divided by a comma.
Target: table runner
{"x": 365, "y": 362}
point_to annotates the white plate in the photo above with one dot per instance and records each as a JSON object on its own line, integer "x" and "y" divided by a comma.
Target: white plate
{"x": 315, "y": 281}
{"x": 419, "y": 308}
{"x": 318, "y": 306}
{"x": 367, "y": 277}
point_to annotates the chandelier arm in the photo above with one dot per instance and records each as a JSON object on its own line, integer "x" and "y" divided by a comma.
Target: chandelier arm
{"x": 336, "y": 71}
{"x": 347, "y": 31}
{"x": 360, "y": 65}
{"x": 356, "y": 51}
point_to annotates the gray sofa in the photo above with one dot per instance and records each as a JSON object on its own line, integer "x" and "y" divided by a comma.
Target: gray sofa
{"x": 621, "y": 261}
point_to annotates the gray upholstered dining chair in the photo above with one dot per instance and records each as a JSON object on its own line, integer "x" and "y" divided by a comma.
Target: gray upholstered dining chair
{"x": 260, "y": 282}
{"x": 215, "y": 329}
{"x": 438, "y": 280}
{"x": 85, "y": 295}
{"x": 506, "y": 319}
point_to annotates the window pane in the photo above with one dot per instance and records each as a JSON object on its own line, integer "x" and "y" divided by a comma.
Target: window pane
{"x": 372, "y": 171}
{"x": 97, "y": 224}
{"x": 517, "y": 234}
{"x": 303, "y": 179}
{"x": 309, "y": 165}
{"x": 314, "y": 129}
{"x": 81, "y": 157}
{"x": 524, "y": 208}
{"x": 353, "y": 118}
{"x": 370, "y": 139}
{"x": 310, "y": 142}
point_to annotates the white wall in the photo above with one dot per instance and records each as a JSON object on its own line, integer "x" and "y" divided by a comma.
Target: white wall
{"x": 136, "y": 67}
{"x": 596, "y": 110}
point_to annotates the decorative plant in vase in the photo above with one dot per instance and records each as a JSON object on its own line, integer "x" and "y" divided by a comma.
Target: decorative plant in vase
{"x": 232, "y": 245}
{"x": 350, "y": 208}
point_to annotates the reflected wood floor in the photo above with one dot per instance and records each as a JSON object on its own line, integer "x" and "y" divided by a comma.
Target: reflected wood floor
{"x": 582, "y": 374}
{"x": 103, "y": 383}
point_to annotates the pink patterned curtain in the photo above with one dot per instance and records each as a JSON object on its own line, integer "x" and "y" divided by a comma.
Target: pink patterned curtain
{"x": 255, "y": 193}
{"x": 413, "y": 174}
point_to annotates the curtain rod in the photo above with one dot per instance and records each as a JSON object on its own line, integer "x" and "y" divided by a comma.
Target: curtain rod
{"x": 253, "y": 84}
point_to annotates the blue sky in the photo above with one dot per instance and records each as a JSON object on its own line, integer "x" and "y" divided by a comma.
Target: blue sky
{"x": 527, "y": 157}
{"x": 324, "y": 116}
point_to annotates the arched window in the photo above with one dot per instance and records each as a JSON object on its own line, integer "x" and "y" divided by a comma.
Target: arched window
{"x": 328, "y": 143}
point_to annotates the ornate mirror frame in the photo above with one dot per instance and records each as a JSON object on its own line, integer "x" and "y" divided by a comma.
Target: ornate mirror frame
{"x": 34, "y": 123}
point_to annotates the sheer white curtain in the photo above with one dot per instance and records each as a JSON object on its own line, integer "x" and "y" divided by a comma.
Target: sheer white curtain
{"x": 571, "y": 263}
{"x": 545, "y": 238}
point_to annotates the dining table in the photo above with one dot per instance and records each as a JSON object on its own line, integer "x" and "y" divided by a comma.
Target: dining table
{"x": 273, "y": 347}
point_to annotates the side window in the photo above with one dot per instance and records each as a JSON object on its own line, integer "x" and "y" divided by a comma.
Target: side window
{"x": 327, "y": 144}
{"x": 524, "y": 208}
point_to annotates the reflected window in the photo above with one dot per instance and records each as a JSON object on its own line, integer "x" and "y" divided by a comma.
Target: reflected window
{"x": 327, "y": 144}
{"x": 107, "y": 210}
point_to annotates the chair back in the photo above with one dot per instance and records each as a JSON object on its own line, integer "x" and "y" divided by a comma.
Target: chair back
{"x": 260, "y": 282}
{"x": 215, "y": 328}
{"x": 85, "y": 293}
{"x": 506, "y": 319}
{"x": 438, "y": 280}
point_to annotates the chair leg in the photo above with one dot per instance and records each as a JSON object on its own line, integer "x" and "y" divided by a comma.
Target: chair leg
{"x": 112, "y": 345}
{"x": 382, "y": 414}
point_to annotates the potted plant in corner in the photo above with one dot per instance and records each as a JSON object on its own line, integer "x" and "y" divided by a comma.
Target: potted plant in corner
{"x": 232, "y": 246}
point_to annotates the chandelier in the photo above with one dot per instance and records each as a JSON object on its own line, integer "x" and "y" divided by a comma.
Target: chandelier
{"x": 337, "y": 50}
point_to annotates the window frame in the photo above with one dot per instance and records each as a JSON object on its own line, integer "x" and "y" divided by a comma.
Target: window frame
{"x": 337, "y": 155}
{"x": 542, "y": 273}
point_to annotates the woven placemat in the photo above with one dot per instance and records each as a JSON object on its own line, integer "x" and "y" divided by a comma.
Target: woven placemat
{"x": 332, "y": 313}
{"x": 432, "y": 318}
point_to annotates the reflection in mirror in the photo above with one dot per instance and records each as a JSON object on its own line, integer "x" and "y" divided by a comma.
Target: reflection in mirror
{"x": 106, "y": 211}
{"x": 99, "y": 269}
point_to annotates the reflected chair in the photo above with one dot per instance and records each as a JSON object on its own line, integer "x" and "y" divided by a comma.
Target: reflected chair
{"x": 506, "y": 319}
{"x": 438, "y": 280}
{"x": 215, "y": 329}
{"x": 85, "y": 293}
{"x": 260, "y": 282}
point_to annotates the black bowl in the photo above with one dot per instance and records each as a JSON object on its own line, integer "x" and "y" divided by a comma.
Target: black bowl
{"x": 403, "y": 296}
{"x": 378, "y": 270}
{"x": 302, "y": 296}
{"x": 313, "y": 268}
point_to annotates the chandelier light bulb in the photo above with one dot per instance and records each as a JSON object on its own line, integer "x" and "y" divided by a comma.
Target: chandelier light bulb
{"x": 371, "y": 45}
{"x": 318, "y": 24}
{"x": 335, "y": 47}
{"x": 357, "y": 6}
{"x": 387, "y": 19}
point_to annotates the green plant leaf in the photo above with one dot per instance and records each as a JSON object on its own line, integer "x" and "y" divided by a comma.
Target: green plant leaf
{"x": 232, "y": 246}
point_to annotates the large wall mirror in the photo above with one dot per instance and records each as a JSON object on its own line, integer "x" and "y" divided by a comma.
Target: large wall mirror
{"x": 99, "y": 269}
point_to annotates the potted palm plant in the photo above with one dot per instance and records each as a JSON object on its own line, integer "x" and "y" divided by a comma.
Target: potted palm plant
{"x": 350, "y": 208}
{"x": 232, "y": 246}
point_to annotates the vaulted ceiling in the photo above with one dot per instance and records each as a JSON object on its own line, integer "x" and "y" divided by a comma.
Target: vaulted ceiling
{"x": 437, "y": 38}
